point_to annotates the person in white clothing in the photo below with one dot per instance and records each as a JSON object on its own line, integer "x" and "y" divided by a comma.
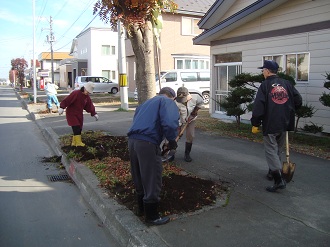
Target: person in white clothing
{"x": 188, "y": 108}
{"x": 51, "y": 92}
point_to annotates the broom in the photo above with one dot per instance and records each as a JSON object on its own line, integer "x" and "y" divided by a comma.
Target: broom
{"x": 288, "y": 167}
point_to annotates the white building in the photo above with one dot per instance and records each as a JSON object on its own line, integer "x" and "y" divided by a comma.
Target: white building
{"x": 295, "y": 33}
{"x": 96, "y": 53}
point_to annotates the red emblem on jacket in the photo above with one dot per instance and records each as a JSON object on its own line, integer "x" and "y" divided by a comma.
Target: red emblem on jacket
{"x": 279, "y": 94}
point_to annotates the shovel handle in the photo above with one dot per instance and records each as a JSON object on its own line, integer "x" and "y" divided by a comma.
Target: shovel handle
{"x": 181, "y": 132}
{"x": 287, "y": 146}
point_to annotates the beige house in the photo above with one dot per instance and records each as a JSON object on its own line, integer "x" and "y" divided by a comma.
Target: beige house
{"x": 177, "y": 48}
{"x": 243, "y": 33}
{"x": 45, "y": 60}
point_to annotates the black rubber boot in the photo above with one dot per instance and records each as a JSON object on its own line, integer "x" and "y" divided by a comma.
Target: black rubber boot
{"x": 279, "y": 182}
{"x": 187, "y": 151}
{"x": 270, "y": 175}
{"x": 140, "y": 209}
{"x": 152, "y": 216}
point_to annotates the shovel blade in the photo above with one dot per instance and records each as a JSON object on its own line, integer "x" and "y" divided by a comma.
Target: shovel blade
{"x": 288, "y": 170}
{"x": 168, "y": 155}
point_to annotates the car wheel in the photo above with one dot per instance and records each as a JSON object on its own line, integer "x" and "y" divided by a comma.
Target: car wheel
{"x": 114, "y": 90}
{"x": 206, "y": 98}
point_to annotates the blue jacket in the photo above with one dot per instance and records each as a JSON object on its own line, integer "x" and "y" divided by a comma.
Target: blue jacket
{"x": 274, "y": 106}
{"x": 155, "y": 119}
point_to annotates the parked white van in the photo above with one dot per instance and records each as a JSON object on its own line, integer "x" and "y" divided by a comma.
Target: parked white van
{"x": 194, "y": 80}
{"x": 101, "y": 84}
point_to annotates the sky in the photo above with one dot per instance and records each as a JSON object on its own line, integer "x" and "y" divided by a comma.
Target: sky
{"x": 70, "y": 17}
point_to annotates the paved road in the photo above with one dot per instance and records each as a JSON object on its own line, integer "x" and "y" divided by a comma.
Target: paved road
{"x": 35, "y": 212}
{"x": 296, "y": 216}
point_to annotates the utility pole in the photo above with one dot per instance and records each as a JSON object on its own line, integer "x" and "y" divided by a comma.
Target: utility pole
{"x": 34, "y": 59}
{"x": 51, "y": 39}
{"x": 122, "y": 67}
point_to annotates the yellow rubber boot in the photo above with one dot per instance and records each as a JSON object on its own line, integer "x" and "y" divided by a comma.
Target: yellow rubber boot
{"x": 79, "y": 143}
{"x": 73, "y": 143}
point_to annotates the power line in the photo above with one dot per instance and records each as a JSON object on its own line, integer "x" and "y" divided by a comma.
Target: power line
{"x": 87, "y": 6}
{"x": 79, "y": 32}
{"x": 61, "y": 8}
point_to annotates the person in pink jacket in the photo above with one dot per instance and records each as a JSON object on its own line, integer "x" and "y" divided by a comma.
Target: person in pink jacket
{"x": 75, "y": 104}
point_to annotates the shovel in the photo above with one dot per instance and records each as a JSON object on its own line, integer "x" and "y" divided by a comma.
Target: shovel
{"x": 288, "y": 167}
{"x": 167, "y": 154}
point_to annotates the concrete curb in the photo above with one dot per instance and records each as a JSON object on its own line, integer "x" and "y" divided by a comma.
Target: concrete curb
{"x": 121, "y": 223}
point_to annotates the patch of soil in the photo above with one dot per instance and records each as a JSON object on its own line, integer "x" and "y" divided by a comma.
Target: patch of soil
{"x": 180, "y": 193}
{"x": 53, "y": 159}
{"x": 100, "y": 148}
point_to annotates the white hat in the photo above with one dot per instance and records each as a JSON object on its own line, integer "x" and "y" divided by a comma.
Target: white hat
{"x": 89, "y": 86}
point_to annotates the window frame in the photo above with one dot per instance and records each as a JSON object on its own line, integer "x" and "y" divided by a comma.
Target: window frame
{"x": 191, "y": 28}
{"x": 284, "y": 64}
{"x": 108, "y": 50}
{"x": 109, "y": 74}
{"x": 182, "y": 63}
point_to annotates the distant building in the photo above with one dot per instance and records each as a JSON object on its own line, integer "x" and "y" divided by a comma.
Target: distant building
{"x": 177, "y": 48}
{"x": 95, "y": 53}
{"x": 45, "y": 65}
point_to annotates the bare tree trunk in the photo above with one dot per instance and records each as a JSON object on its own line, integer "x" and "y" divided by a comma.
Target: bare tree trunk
{"x": 142, "y": 41}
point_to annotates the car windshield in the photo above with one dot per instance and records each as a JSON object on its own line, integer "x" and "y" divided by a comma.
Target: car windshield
{"x": 103, "y": 79}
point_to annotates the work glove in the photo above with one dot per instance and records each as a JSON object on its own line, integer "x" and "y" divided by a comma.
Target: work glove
{"x": 191, "y": 118}
{"x": 255, "y": 130}
{"x": 172, "y": 145}
{"x": 60, "y": 111}
{"x": 96, "y": 117}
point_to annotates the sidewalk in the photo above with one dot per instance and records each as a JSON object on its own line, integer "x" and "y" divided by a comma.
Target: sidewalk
{"x": 297, "y": 216}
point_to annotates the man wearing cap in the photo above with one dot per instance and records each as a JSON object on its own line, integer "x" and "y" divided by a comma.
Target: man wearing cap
{"x": 75, "y": 103}
{"x": 154, "y": 120}
{"x": 274, "y": 108}
{"x": 188, "y": 108}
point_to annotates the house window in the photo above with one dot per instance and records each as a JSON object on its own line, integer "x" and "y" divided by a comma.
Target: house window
{"x": 192, "y": 63}
{"x": 189, "y": 26}
{"x": 228, "y": 58}
{"x": 187, "y": 63}
{"x": 108, "y": 50}
{"x": 110, "y": 74}
{"x": 179, "y": 64}
{"x": 295, "y": 65}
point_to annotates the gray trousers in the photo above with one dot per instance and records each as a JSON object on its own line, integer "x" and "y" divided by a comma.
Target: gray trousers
{"x": 190, "y": 132}
{"x": 146, "y": 169}
{"x": 273, "y": 144}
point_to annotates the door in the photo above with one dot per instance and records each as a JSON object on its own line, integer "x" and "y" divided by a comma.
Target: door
{"x": 224, "y": 73}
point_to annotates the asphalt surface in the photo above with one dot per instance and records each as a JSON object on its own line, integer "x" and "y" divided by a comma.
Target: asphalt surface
{"x": 249, "y": 216}
{"x": 36, "y": 211}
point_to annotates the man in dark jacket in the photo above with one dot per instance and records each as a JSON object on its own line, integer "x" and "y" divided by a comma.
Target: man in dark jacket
{"x": 154, "y": 120}
{"x": 274, "y": 108}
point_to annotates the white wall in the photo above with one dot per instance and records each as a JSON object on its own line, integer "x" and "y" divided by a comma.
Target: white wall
{"x": 89, "y": 46}
{"x": 316, "y": 43}
{"x": 99, "y": 62}
{"x": 289, "y": 14}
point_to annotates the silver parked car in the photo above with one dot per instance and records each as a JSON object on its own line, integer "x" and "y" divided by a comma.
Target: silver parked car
{"x": 101, "y": 84}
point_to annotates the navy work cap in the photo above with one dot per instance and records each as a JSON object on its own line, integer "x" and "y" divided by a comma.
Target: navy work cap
{"x": 168, "y": 89}
{"x": 269, "y": 64}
